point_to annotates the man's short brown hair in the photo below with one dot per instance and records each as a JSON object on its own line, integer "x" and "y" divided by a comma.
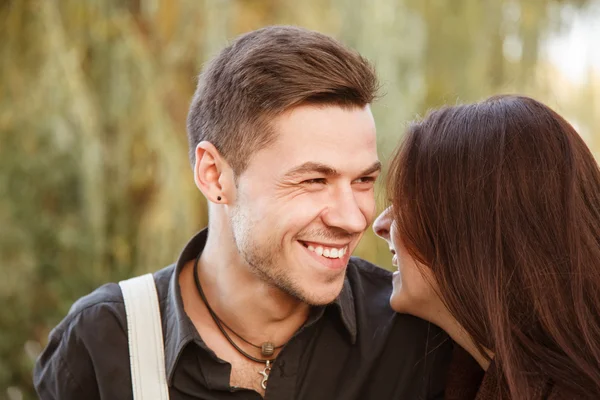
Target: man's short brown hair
{"x": 264, "y": 73}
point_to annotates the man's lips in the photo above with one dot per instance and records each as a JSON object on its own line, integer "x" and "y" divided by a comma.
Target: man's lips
{"x": 333, "y": 258}
{"x": 328, "y": 250}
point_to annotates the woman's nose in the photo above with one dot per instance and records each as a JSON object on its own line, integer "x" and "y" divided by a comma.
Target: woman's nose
{"x": 382, "y": 224}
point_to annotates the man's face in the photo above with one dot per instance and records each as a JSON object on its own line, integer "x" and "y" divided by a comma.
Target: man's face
{"x": 305, "y": 201}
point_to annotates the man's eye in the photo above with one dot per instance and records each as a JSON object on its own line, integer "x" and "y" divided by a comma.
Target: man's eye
{"x": 316, "y": 181}
{"x": 366, "y": 179}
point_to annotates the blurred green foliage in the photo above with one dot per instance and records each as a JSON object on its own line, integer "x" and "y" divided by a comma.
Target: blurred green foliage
{"x": 93, "y": 99}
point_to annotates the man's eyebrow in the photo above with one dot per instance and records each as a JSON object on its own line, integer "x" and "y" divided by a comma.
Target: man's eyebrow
{"x": 309, "y": 167}
{"x": 376, "y": 167}
{"x": 324, "y": 169}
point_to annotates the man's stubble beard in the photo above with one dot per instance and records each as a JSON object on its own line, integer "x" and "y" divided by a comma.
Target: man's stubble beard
{"x": 262, "y": 258}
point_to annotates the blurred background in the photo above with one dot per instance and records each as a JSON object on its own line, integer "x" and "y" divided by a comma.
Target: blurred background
{"x": 94, "y": 174}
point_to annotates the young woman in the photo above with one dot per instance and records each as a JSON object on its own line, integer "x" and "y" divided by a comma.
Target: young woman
{"x": 494, "y": 225}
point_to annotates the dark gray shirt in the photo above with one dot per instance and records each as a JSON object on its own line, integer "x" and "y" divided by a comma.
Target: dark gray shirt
{"x": 355, "y": 348}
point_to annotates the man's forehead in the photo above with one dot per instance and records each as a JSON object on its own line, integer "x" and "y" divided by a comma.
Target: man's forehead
{"x": 320, "y": 131}
{"x": 326, "y": 139}
{"x": 325, "y": 122}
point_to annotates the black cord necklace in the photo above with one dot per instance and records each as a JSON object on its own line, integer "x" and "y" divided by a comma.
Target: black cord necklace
{"x": 267, "y": 348}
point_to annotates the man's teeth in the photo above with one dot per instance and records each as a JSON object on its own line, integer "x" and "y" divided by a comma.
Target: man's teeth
{"x": 329, "y": 252}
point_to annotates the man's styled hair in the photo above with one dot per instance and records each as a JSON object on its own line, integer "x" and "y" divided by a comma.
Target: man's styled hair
{"x": 264, "y": 73}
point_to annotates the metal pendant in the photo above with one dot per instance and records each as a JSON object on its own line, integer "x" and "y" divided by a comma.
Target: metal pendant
{"x": 267, "y": 349}
{"x": 265, "y": 374}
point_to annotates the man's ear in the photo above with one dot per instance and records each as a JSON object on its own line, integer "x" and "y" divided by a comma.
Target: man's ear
{"x": 212, "y": 174}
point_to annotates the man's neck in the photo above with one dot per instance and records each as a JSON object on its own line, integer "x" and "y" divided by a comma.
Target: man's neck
{"x": 254, "y": 309}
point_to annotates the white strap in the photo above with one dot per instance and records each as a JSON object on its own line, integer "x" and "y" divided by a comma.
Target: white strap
{"x": 146, "y": 347}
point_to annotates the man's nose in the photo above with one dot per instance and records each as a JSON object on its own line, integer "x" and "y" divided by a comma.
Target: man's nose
{"x": 346, "y": 214}
{"x": 383, "y": 223}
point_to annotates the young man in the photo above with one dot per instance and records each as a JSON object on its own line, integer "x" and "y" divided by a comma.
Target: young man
{"x": 267, "y": 301}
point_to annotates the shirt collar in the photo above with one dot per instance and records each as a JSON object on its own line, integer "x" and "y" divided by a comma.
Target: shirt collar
{"x": 179, "y": 330}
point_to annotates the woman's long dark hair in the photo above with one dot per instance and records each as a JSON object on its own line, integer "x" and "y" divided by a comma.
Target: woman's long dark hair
{"x": 501, "y": 199}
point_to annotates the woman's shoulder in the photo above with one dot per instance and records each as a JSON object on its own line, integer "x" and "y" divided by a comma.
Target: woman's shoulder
{"x": 465, "y": 376}
{"x": 468, "y": 381}
{"x": 559, "y": 392}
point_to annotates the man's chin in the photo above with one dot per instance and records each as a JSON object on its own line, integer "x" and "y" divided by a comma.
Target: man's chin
{"x": 324, "y": 297}
{"x": 309, "y": 286}
{"x": 320, "y": 302}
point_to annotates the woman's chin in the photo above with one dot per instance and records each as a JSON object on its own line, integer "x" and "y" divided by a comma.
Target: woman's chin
{"x": 398, "y": 300}
{"x": 413, "y": 294}
{"x": 403, "y": 303}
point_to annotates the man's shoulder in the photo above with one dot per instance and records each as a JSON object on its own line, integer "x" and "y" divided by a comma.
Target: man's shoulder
{"x": 423, "y": 346}
{"x": 368, "y": 275}
{"x": 371, "y": 291}
{"x": 366, "y": 268}
{"x": 107, "y": 301}
{"x": 105, "y": 295}
{"x": 91, "y": 338}
{"x": 371, "y": 288}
